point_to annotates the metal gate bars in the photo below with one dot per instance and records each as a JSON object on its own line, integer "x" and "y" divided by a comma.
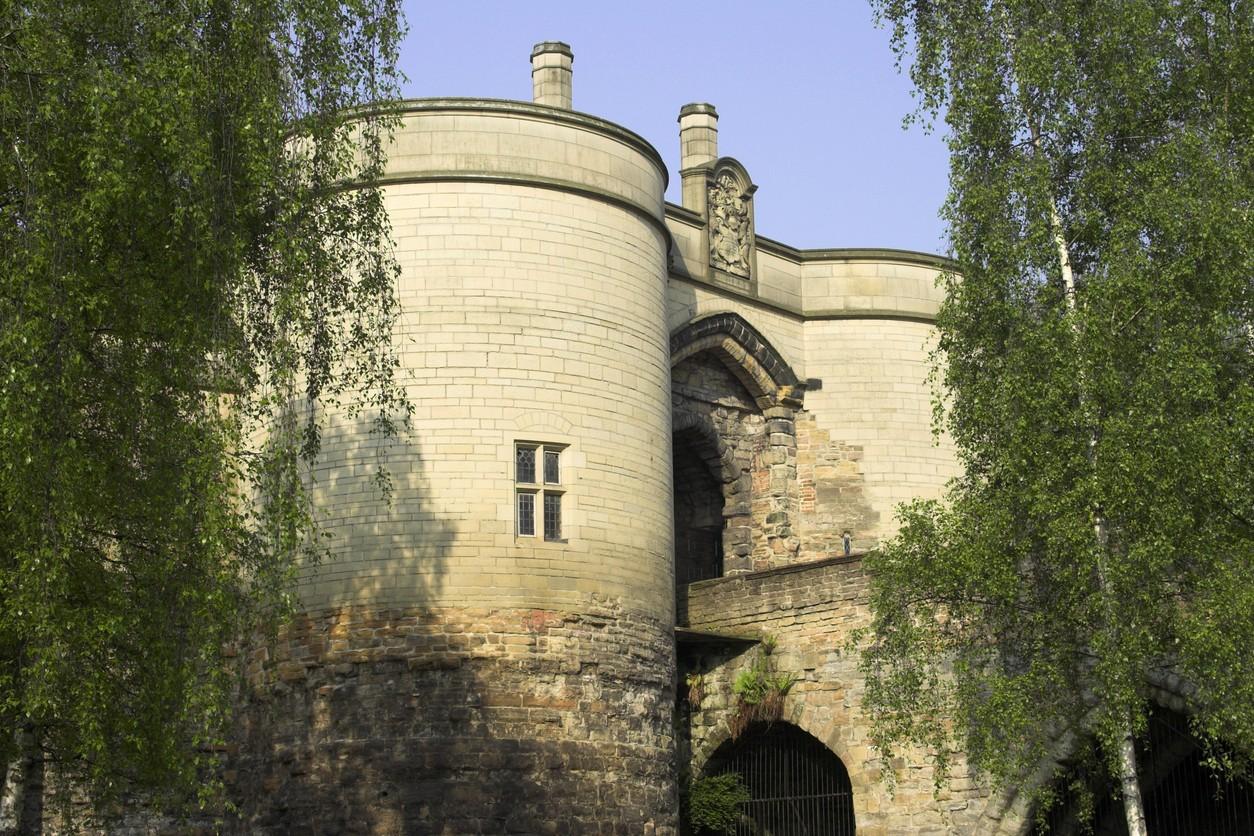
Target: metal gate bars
{"x": 798, "y": 787}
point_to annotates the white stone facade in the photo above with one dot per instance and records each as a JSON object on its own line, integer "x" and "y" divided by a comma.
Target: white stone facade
{"x": 675, "y": 365}
{"x": 542, "y": 273}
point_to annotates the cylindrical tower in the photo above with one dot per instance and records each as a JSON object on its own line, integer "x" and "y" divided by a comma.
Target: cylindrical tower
{"x": 494, "y": 651}
{"x": 869, "y": 332}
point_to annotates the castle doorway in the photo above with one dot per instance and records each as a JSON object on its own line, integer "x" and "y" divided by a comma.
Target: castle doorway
{"x": 797, "y": 786}
{"x": 698, "y": 512}
{"x": 1181, "y": 796}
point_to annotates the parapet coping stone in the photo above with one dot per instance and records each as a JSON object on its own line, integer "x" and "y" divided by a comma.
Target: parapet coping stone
{"x": 687, "y": 635}
{"x": 807, "y": 566}
{"x": 549, "y": 113}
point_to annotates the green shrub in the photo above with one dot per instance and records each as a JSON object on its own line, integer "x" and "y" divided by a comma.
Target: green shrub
{"x": 714, "y": 803}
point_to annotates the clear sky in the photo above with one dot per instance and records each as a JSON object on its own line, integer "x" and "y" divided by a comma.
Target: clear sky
{"x": 809, "y": 99}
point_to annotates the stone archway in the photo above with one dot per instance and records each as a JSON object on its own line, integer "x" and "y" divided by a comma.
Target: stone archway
{"x": 746, "y": 354}
{"x": 796, "y": 784}
{"x": 699, "y": 521}
{"x": 725, "y": 376}
{"x": 711, "y": 483}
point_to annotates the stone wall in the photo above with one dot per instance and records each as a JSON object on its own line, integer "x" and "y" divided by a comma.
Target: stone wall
{"x": 809, "y": 611}
{"x": 410, "y": 721}
{"x": 876, "y": 396}
{"x": 467, "y": 666}
{"x": 789, "y": 490}
{"x": 861, "y": 323}
{"x": 832, "y": 493}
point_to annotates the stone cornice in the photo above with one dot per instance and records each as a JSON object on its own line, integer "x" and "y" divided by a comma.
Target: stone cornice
{"x": 545, "y": 113}
{"x": 877, "y": 254}
{"x": 805, "y": 316}
{"x": 686, "y": 215}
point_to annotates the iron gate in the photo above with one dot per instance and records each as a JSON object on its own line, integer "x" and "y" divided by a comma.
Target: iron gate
{"x": 798, "y": 787}
{"x": 1184, "y": 797}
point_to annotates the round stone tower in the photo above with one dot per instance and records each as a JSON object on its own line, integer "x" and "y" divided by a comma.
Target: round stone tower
{"x": 494, "y": 650}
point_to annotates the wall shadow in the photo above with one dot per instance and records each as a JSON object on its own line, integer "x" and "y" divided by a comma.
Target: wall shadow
{"x": 421, "y": 714}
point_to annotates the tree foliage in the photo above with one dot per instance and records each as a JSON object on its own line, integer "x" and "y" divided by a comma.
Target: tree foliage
{"x": 1101, "y": 534}
{"x": 712, "y": 804}
{"x": 182, "y": 269}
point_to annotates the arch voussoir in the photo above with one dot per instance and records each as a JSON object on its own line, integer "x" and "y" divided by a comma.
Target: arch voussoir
{"x": 745, "y": 352}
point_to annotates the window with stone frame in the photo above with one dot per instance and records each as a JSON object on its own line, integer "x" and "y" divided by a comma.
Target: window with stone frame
{"x": 538, "y": 489}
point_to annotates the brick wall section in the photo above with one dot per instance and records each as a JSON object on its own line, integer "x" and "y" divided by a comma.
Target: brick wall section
{"x": 410, "y": 721}
{"x": 810, "y": 611}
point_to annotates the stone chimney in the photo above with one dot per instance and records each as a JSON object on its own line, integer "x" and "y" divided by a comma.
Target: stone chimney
{"x": 550, "y": 74}
{"x": 698, "y": 149}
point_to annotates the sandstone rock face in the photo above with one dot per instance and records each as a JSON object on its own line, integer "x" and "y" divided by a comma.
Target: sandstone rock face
{"x": 461, "y": 720}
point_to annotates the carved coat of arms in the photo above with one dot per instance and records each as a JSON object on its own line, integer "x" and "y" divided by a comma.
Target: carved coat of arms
{"x": 731, "y": 235}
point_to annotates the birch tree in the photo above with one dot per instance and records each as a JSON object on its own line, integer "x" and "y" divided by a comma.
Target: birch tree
{"x": 1096, "y": 372}
{"x": 182, "y": 268}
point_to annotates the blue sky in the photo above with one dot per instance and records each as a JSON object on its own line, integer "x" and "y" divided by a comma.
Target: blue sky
{"x": 808, "y": 98}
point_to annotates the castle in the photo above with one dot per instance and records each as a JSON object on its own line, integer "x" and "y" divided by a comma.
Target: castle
{"x": 646, "y": 440}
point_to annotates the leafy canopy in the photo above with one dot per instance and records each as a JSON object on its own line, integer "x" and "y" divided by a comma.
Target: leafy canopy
{"x": 1101, "y": 534}
{"x": 182, "y": 268}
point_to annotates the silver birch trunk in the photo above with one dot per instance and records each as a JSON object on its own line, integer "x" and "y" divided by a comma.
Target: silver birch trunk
{"x": 1133, "y": 807}
{"x": 18, "y": 809}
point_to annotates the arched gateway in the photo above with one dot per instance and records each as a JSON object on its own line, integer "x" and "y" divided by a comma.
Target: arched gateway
{"x": 798, "y": 787}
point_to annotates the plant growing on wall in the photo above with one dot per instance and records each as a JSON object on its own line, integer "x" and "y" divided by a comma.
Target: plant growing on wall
{"x": 696, "y": 689}
{"x": 760, "y": 691}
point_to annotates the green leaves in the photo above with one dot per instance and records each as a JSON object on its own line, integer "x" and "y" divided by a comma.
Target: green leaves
{"x": 712, "y": 803}
{"x": 185, "y": 277}
{"x": 1001, "y": 607}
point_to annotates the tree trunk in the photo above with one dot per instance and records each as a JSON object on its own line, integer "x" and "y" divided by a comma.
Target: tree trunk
{"x": 1133, "y": 808}
{"x": 21, "y": 797}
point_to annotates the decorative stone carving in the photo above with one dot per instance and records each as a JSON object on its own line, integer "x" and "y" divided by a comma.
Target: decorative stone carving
{"x": 731, "y": 228}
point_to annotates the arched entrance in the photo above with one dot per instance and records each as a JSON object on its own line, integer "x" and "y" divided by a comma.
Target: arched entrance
{"x": 798, "y": 787}
{"x": 698, "y": 510}
{"x": 1181, "y": 796}
{"x": 734, "y": 388}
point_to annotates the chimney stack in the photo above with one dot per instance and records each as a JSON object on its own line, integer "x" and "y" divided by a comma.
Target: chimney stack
{"x": 550, "y": 74}
{"x": 698, "y": 149}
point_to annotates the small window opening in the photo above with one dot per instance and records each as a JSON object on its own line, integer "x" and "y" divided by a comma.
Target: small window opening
{"x": 526, "y": 514}
{"x": 528, "y": 487}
